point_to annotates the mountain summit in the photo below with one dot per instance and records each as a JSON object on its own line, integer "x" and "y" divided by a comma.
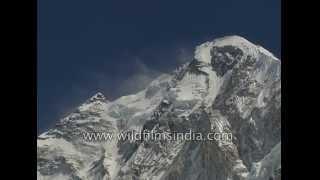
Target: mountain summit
{"x": 232, "y": 86}
{"x": 98, "y": 97}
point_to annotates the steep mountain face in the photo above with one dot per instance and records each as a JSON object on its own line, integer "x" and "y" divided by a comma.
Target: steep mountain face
{"x": 231, "y": 86}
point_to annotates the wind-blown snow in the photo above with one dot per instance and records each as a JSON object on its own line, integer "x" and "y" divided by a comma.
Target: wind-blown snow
{"x": 202, "y": 52}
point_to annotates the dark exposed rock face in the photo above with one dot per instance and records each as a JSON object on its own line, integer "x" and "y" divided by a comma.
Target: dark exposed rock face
{"x": 224, "y": 58}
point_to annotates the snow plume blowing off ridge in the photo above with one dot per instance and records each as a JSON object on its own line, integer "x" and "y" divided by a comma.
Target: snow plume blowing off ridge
{"x": 231, "y": 86}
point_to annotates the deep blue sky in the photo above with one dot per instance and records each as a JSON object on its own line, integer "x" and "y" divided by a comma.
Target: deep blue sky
{"x": 117, "y": 46}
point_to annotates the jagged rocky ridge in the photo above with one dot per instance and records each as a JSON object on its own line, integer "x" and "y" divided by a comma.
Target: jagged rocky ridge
{"x": 231, "y": 85}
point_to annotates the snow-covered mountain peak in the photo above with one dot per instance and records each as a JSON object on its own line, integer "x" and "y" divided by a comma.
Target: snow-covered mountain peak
{"x": 233, "y": 40}
{"x": 233, "y": 52}
{"x": 203, "y": 52}
{"x": 97, "y": 102}
{"x": 98, "y": 97}
{"x": 231, "y": 86}
{"x": 229, "y": 46}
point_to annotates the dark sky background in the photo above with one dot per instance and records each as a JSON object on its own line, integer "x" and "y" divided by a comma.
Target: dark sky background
{"x": 117, "y": 46}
